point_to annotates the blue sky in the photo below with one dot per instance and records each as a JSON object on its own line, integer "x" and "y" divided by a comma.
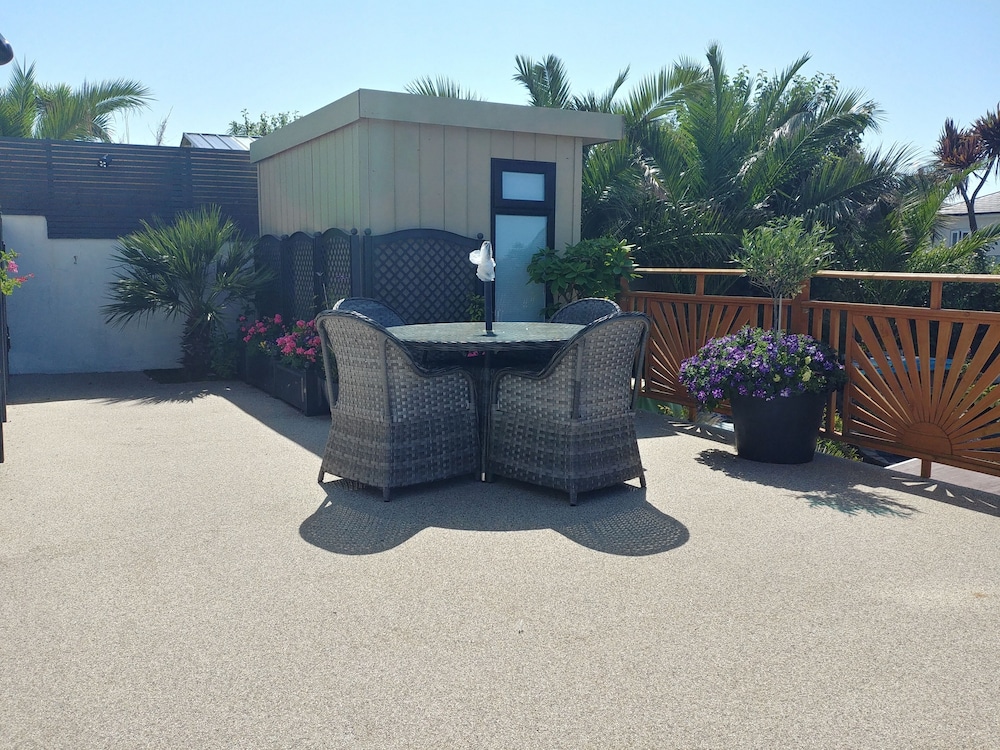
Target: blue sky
{"x": 206, "y": 61}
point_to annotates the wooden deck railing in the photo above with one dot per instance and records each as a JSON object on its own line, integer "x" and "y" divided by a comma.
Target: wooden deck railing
{"x": 919, "y": 378}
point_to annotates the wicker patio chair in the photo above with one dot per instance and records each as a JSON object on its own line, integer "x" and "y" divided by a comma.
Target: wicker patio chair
{"x": 586, "y": 310}
{"x": 572, "y": 426}
{"x": 579, "y": 312}
{"x": 393, "y": 424}
{"x": 378, "y": 311}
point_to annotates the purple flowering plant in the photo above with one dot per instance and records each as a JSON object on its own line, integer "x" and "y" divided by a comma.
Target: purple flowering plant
{"x": 762, "y": 363}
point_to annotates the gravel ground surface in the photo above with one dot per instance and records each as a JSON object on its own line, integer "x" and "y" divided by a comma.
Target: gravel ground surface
{"x": 172, "y": 576}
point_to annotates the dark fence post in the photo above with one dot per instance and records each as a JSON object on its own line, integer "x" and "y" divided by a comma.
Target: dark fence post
{"x": 267, "y": 255}
{"x": 367, "y": 267}
{"x": 4, "y": 346}
{"x": 357, "y": 265}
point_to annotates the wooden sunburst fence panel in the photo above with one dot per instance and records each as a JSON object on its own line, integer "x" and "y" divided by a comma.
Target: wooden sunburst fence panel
{"x": 922, "y": 382}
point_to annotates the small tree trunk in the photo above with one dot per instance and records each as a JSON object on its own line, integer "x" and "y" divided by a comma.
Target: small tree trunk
{"x": 196, "y": 347}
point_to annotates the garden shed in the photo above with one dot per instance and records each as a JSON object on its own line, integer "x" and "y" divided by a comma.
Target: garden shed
{"x": 382, "y": 163}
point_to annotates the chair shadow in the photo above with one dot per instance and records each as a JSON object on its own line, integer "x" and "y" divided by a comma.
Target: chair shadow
{"x": 353, "y": 520}
{"x": 822, "y": 483}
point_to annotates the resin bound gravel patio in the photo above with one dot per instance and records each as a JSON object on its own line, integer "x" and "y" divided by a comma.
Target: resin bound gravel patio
{"x": 172, "y": 576}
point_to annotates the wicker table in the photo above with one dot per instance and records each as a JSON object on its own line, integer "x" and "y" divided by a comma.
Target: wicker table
{"x": 471, "y": 337}
{"x": 508, "y": 338}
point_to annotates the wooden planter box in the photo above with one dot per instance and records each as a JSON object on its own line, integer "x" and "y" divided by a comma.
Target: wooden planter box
{"x": 300, "y": 388}
{"x": 303, "y": 389}
{"x": 258, "y": 371}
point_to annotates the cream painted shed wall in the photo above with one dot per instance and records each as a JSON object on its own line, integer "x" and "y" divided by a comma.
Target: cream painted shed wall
{"x": 416, "y": 162}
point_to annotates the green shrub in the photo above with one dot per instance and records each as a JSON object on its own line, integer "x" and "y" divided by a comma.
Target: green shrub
{"x": 590, "y": 268}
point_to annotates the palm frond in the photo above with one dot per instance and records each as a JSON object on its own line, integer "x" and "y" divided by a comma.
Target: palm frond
{"x": 440, "y": 86}
{"x": 547, "y": 81}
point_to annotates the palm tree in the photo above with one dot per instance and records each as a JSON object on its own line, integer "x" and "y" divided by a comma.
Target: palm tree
{"x": 616, "y": 176}
{"x": 546, "y": 81}
{"x": 906, "y": 239}
{"x": 743, "y": 151}
{"x": 193, "y": 268}
{"x": 19, "y": 103}
{"x": 29, "y": 109}
{"x": 440, "y": 86}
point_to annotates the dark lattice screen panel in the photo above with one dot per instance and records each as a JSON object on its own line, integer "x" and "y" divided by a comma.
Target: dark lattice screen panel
{"x": 335, "y": 264}
{"x": 424, "y": 274}
{"x": 298, "y": 277}
{"x": 267, "y": 254}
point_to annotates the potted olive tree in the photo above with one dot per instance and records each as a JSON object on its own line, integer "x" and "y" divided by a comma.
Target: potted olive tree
{"x": 777, "y": 383}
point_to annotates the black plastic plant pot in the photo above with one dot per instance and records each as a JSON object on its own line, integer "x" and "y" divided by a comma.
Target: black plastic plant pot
{"x": 780, "y": 431}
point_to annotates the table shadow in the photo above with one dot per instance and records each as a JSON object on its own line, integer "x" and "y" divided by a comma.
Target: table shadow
{"x": 353, "y": 520}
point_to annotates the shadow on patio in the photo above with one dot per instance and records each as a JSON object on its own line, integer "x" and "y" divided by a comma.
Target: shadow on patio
{"x": 617, "y": 521}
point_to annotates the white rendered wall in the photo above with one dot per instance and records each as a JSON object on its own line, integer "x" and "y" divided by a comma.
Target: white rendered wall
{"x": 55, "y": 321}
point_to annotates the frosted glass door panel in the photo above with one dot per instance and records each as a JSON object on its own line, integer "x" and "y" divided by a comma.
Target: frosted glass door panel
{"x": 517, "y": 239}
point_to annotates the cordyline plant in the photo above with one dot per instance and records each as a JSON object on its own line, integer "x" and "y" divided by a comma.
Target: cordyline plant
{"x": 193, "y": 268}
{"x": 763, "y": 364}
{"x": 9, "y": 280}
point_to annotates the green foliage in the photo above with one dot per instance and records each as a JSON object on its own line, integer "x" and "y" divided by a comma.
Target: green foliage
{"x": 904, "y": 237}
{"x": 832, "y": 447}
{"x": 744, "y": 151}
{"x": 226, "y": 351}
{"x": 193, "y": 268}
{"x": 263, "y": 125}
{"x": 780, "y": 256}
{"x": 590, "y": 268}
{"x": 30, "y": 109}
{"x": 477, "y": 308}
{"x": 441, "y": 86}
{"x": 9, "y": 280}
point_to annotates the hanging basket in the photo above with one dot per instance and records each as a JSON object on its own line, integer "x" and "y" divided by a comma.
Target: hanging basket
{"x": 780, "y": 431}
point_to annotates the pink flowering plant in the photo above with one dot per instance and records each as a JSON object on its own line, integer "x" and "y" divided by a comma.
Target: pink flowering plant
{"x": 295, "y": 345}
{"x": 261, "y": 336}
{"x": 299, "y": 346}
{"x": 9, "y": 279}
{"x": 765, "y": 364}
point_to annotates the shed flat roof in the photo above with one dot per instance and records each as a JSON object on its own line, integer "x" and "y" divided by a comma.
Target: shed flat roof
{"x": 592, "y": 127}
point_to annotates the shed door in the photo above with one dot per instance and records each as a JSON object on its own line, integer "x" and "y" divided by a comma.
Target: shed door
{"x": 523, "y": 198}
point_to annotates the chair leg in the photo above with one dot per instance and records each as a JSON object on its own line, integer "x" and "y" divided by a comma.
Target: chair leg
{"x": 321, "y": 475}
{"x": 642, "y": 478}
{"x": 572, "y": 497}
{"x": 385, "y": 494}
